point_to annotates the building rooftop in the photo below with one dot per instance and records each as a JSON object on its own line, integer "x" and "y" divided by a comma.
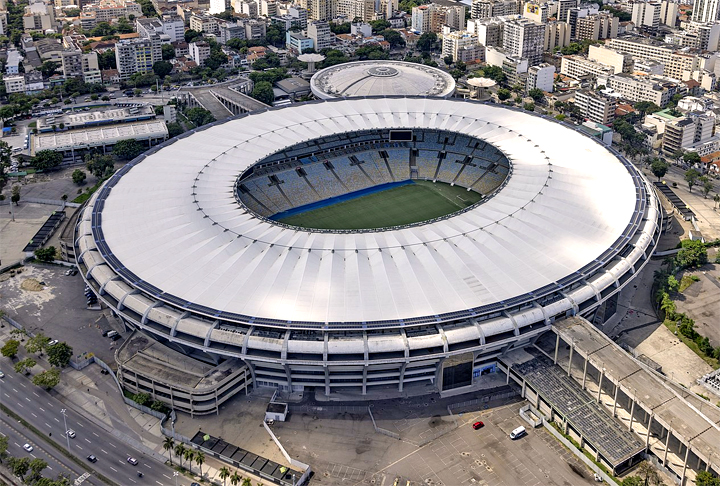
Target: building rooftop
{"x": 95, "y": 137}
{"x": 378, "y": 78}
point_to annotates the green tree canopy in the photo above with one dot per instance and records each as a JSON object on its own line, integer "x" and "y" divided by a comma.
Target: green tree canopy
{"x": 46, "y": 159}
{"x": 536, "y": 94}
{"x": 59, "y": 354}
{"x": 37, "y": 343}
{"x": 128, "y": 149}
{"x": 199, "y": 116}
{"x": 25, "y": 365}
{"x": 47, "y": 379}
{"x": 162, "y": 68}
{"x": 10, "y": 349}
{"x": 79, "y": 176}
{"x": 426, "y": 41}
{"x": 263, "y": 92}
{"x": 692, "y": 254}
{"x": 691, "y": 177}
{"x": 46, "y": 254}
{"x": 168, "y": 52}
{"x": 98, "y": 164}
{"x": 659, "y": 168}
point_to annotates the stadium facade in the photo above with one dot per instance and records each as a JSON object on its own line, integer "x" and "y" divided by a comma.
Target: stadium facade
{"x": 181, "y": 243}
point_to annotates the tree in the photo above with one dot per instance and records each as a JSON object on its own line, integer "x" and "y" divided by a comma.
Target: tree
{"x": 10, "y": 349}
{"x": 168, "y": 445}
{"x": 199, "y": 460}
{"x": 36, "y": 467}
{"x": 37, "y": 343}
{"x": 426, "y": 41}
{"x": 47, "y": 379}
{"x": 189, "y": 455}
{"x": 5, "y": 157}
{"x": 224, "y": 474}
{"x": 673, "y": 283}
{"x": 15, "y": 195}
{"x": 649, "y": 473}
{"x": 141, "y": 398}
{"x": 691, "y": 177}
{"x": 647, "y": 107}
{"x": 79, "y": 176}
{"x": 263, "y": 92}
{"x": 529, "y": 106}
{"x": 705, "y": 478}
{"x": 275, "y": 35}
{"x": 107, "y": 60}
{"x": 379, "y": 25}
{"x": 199, "y": 116}
{"x": 168, "y": 52}
{"x": 59, "y": 354}
{"x": 448, "y": 60}
{"x": 633, "y": 481}
{"x": 124, "y": 27}
{"x": 247, "y": 482}
{"x": 174, "y": 129}
{"x": 393, "y": 37}
{"x": 162, "y": 68}
{"x": 46, "y": 159}
{"x": 503, "y": 94}
{"x": 707, "y": 186}
{"x": 691, "y": 158}
{"x": 235, "y": 478}
{"x": 98, "y": 164}
{"x": 179, "y": 451}
{"x": 536, "y": 94}
{"x": 190, "y": 35}
{"x": 4, "y": 442}
{"x": 25, "y": 365}
{"x": 49, "y": 68}
{"x": 128, "y": 149}
{"x": 692, "y": 254}
{"x": 659, "y": 168}
{"x": 46, "y": 254}
{"x": 19, "y": 467}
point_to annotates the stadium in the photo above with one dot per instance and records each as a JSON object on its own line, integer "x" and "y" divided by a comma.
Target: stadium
{"x": 367, "y": 245}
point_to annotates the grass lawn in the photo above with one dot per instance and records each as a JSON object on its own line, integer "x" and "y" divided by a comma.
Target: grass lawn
{"x": 692, "y": 345}
{"x": 687, "y": 281}
{"x": 408, "y": 204}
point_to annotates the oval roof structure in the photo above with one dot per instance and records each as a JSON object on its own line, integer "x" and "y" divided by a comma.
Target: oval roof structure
{"x": 170, "y": 223}
{"x": 381, "y": 78}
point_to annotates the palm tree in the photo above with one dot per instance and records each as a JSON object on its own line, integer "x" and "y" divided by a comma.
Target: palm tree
{"x": 189, "y": 456}
{"x": 168, "y": 445}
{"x": 235, "y": 478}
{"x": 224, "y": 473}
{"x": 247, "y": 482}
{"x": 199, "y": 460}
{"x": 179, "y": 451}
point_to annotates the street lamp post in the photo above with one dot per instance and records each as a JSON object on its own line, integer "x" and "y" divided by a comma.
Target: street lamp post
{"x": 176, "y": 474}
{"x": 66, "y": 429}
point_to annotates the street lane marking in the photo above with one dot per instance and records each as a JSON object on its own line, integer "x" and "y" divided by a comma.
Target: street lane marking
{"x": 88, "y": 441}
{"x": 20, "y": 405}
{"x": 6, "y": 395}
{"x": 56, "y": 420}
{"x": 41, "y": 409}
{"x": 48, "y": 425}
{"x": 95, "y": 434}
{"x": 113, "y": 468}
{"x": 147, "y": 466}
{"x": 26, "y": 398}
{"x": 131, "y": 479}
{"x": 22, "y": 385}
{"x": 50, "y": 404}
{"x": 49, "y": 468}
{"x": 161, "y": 484}
{"x": 112, "y": 444}
{"x": 78, "y": 447}
{"x": 15, "y": 390}
{"x": 16, "y": 444}
{"x": 36, "y": 394}
{"x": 166, "y": 476}
{"x": 103, "y": 451}
{"x": 33, "y": 415}
{"x": 81, "y": 425}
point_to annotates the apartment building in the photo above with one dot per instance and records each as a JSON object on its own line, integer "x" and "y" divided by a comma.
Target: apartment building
{"x": 319, "y": 32}
{"x": 541, "y": 77}
{"x": 619, "y": 61}
{"x": 524, "y": 38}
{"x": 557, "y": 35}
{"x": 596, "y": 27}
{"x": 668, "y": 12}
{"x": 199, "y": 52}
{"x": 656, "y": 89}
{"x": 642, "y": 48}
{"x": 577, "y": 67}
{"x": 646, "y": 16}
{"x": 204, "y": 23}
{"x": 356, "y": 9}
{"x": 595, "y": 106}
{"x": 488, "y": 31}
{"x": 14, "y": 83}
{"x": 537, "y": 12}
{"x": 564, "y": 7}
{"x": 321, "y": 9}
{"x": 706, "y": 10}
{"x": 485, "y": 9}
{"x": 38, "y": 17}
{"x": 462, "y": 46}
{"x": 107, "y": 10}
{"x": 231, "y": 30}
{"x": 137, "y": 55}
{"x": 170, "y": 28}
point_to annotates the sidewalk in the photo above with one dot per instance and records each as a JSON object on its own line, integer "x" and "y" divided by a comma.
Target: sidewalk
{"x": 97, "y": 398}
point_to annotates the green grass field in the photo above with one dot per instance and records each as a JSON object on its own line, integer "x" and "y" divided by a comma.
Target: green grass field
{"x": 409, "y": 204}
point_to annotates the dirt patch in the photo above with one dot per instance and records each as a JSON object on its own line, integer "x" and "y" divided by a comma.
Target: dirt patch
{"x": 435, "y": 421}
{"x": 577, "y": 470}
{"x": 32, "y": 285}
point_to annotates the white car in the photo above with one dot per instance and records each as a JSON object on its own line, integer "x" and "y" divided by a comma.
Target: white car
{"x": 71, "y": 433}
{"x": 2, "y": 375}
{"x": 53, "y": 342}
{"x": 28, "y": 447}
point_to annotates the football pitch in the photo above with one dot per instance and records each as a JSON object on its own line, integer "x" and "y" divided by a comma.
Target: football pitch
{"x": 406, "y": 204}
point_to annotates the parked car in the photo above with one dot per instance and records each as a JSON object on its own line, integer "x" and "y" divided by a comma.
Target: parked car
{"x": 28, "y": 447}
{"x": 478, "y": 425}
{"x": 92, "y": 458}
{"x": 53, "y": 342}
{"x": 116, "y": 337}
{"x": 517, "y": 433}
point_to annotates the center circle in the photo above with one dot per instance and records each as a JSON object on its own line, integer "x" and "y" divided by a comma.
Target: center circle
{"x": 383, "y": 71}
{"x": 373, "y": 180}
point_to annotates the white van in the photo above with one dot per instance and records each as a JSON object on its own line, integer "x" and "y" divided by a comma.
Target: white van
{"x": 517, "y": 433}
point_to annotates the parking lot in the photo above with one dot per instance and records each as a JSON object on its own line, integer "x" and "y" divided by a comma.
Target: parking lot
{"x": 58, "y": 310}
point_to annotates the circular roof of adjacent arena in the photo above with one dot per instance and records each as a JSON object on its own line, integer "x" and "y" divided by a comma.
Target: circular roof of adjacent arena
{"x": 381, "y": 78}
{"x": 170, "y": 224}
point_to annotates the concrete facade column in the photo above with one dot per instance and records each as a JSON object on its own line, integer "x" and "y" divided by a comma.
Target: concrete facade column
{"x": 584, "y": 373}
{"x": 617, "y": 388}
{"x": 401, "y": 383}
{"x": 667, "y": 444}
{"x": 572, "y": 348}
{"x": 557, "y": 347}
{"x": 524, "y": 386}
{"x": 682, "y": 476}
{"x": 602, "y": 374}
{"x": 632, "y": 414}
{"x": 364, "y": 385}
{"x": 647, "y": 439}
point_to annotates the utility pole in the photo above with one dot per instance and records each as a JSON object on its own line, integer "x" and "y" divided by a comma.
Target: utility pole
{"x": 66, "y": 429}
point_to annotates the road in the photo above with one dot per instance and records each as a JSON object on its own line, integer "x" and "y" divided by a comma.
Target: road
{"x": 44, "y": 412}
{"x": 19, "y": 435}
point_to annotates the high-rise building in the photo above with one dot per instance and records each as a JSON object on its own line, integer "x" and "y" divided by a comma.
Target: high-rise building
{"x": 462, "y": 46}
{"x": 619, "y": 61}
{"x": 525, "y": 39}
{"x": 199, "y": 52}
{"x": 489, "y": 31}
{"x": 321, "y": 9}
{"x": 646, "y": 16}
{"x": 597, "y": 26}
{"x": 137, "y": 55}
{"x": 356, "y": 9}
{"x": 668, "y": 12}
{"x": 564, "y": 7}
{"x": 541, "y": 77}
{"x": 537, "y": 12}
{"x": 706, "y": 10}
{"x": 485, "y": 9}
{"x": 595, "y": 107}
{"x": 319, "y": 32}
{"x": 218, "y": 6}
{"x": 557, "y": 34}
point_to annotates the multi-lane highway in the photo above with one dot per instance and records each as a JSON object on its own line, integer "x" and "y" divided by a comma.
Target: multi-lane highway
{"x": 44, "y": 412}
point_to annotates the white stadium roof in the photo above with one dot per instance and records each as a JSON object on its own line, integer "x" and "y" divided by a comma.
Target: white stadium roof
{"x": 381, "y": 78}
{"x": 174, "y": 222}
